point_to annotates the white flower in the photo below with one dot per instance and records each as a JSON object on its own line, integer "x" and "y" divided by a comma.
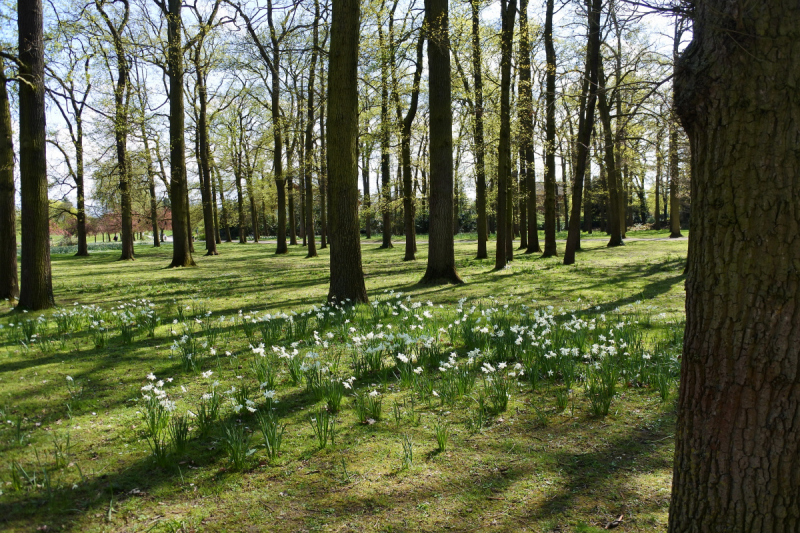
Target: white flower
{"x": 436, "y": 394}
{"x": 207, "y": 374}
{"x": 418, "y": 370}
{"x": 69, "y": 378}
{"x": 251, "y": 409}
{"x": 269, "y": 394}
{"x": 151, "y": 376}
{"x": 373, "y": 393}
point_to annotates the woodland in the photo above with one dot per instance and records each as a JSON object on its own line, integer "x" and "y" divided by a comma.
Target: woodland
{"x": 399, "y": 265}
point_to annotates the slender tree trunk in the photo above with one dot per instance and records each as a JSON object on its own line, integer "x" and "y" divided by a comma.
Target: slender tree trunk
{"x": 323, "y": 171}
{"x": 309, "y": 142}
{"x": 386, "y": 136}
{"x": 204, "y": 154}
{"x": 480, "y": 167}
{"x": 522, "y": 185}
{"x": 347, "y": 276}
{"x": 659, "y": 170}
{"x": 80, "y": 195}
{"x": 9, "y": 285}
{"x": 526, "y": 129}
{"x": 611, "y": 164}
{"x": 237, "y": 174}
{"x": 36, "y": 290}
{"x": 550, "y": 134}
{"x": 217, "y": 235}
{"x": 441, "y": 252}
{"x": 508, "y": 11}
{"x": 251, "y": 195}
{"x": 737, "y": 455}
{"x": 365, "y": 184}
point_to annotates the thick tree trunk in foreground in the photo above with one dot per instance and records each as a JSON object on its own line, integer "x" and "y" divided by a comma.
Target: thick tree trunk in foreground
{"x": 36, "y": 288}
{"x": 504, "y": 237}
{"x": 737, "y": 453}
{"x": 9, "y": 286}
{"x": 347, "y": 276}
{"x": 550, "y": 134}
{"x": 441, "y": 253}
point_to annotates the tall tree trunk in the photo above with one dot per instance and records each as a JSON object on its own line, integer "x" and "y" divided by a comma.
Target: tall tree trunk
{"x": 292, "y": 211}
{"x": 237, "y": 174}
{"x": 441, "y": 252}
{"x": 737, "y": 455}
{"x": 181, "y": 246}
{"x": 36, "y": 290}
{"x": 347, "y": 276}
{"x": 225, "y": 219}
{"x": 612, "y": 171}
{"x": 309, "y": 142}
{"x": 323, "y": 167}
{"x": 217, "y": 235}
{"x": 659, "y": 171}
{"x": 508, "y": 11}
{"x": 405, "y": 149}
{"x": 522, "y": 186}
{"x": 151, "y": 180}
{"x": 251, "y": 195}
{"x": 204, "y": 153}
{"x": 385, "y": 137}
{"x": 585, "y": 129}
{"x": 526, "y": 129}
{"x": 9, "y": 285}
{"x": 550, "y": 135}
{"x": 480, "y": 147}
{"x": 365, "y": 184}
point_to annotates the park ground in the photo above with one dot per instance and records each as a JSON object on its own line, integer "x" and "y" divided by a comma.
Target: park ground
{"x": 76, "y": 459}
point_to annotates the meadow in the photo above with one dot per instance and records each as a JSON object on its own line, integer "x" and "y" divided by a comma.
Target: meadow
{"x": 231, "y": 397}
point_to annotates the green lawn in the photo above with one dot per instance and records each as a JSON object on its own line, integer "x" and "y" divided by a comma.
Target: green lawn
{"x": 544, "y": 462}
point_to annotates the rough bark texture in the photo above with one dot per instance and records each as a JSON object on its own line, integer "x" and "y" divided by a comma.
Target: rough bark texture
{"x": 504, "y": 146}
{"x": 36, "y": 287}
{"x": 181, "y": 246}
{"x": 347, "y": 276}
{"x": 9, "y": 285}
{"x": 550, "y": 138}
{"x": 480, "y": 167}
{"x": 737, "y": 453}
{"x": 441, "y": 254}
{"x": 585, "y": 127}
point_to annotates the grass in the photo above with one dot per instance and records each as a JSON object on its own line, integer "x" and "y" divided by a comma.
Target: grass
{"x": 532, "y": 467}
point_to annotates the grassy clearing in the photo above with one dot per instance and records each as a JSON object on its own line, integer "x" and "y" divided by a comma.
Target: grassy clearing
{"x": 76, "y": 453}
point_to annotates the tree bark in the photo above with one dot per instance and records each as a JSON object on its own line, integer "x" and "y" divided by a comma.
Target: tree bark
{"x": 585, "y": 129}
{"x": 204, "y": 152}
{"x": 309, "y": 141}
{"x": 36, "y": 288}
{"x": 386, "y": 135}
{"x": 737, "y": 452}
{"x": 323, "y": 167}
{"x": 9, "y": 284}
{"x": 480, "y": 147}
{"x": 550, "y": 249}
{"x": 508, "y": 11}
{"x": 225, "y": 219}
{"x": 441, "y": 266}
{"x": 365, "y": 184}
{"x": 347, "y": 276}
{"x": 612, "y": 172}
{"x": 674, "y": 202}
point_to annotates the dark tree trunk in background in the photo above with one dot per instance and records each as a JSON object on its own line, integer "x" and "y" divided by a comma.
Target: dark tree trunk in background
{"x": 550, "y": 135}
{"x": 9, "y": 285}
{"x": 612, "y": 171}
{"x": 225, "y": 219}
{"x": 308, "y": 159}
{"x": 526, "y": 129}
{"x": 508, "y": 11}
{"x": 365, "y": 184}
{"x": 347, "y": 276}
{"x": 405, "y": 149}
{"x": 737, "y": 451}
{"x": 204, "y": 154}
{"x": 480, "y": 148}
{"x": 181, "y": 246}
{"x": 323, "y": 166}
{"x": 441, "y": 253}
{"x": 585, "y": 128}
{"x": 237, "y": 174}
{"x": 36, "y": 287}
{"x": 121, "y": 126}
{"x": 659, "y": 177}
{"x": 522, "y": 184}
{"x": 386, "y": 137}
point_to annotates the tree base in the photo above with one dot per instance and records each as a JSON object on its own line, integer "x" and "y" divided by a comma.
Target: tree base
{"x": 615, "y": 242}
{"x": 534, "y": 250}
{"x": 441, "y": 277}
{"x": 674, "y": 235}
{"x": 212, "y": 253}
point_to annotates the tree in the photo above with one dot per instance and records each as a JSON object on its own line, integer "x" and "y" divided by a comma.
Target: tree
{"x": 386, "y": 61}
{"x": 585, "y": 126}
{"x": 9, "y": 286}
{"x": 307, "y": 162}
{"x": 441, "y": 253}
{"x": 121, "y": 120}
{"x": 181, "y": 250}
{"x": 347, "y": 275}
{"x": 508, "y": 10}
{"x": 36, "y": 287}
{"x": 550, "y": 141}
{"x": 674, "y": 201}
{"x": 480, "y": 166}
{"x": 737, "y": 457}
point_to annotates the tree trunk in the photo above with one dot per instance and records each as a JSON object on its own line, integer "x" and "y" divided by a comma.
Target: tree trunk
{"x": 323, "y": 170}
{"x": 480, "y": 167}
{"x": 585, "y": 129}
{"x": 737, "y": 453}
{"x": 550, "y": 134}
{"x": 441, "y": 253}
{"x": 508, "y": 11}
{"x": 347, "y": 276}
{"x": 309, "y": 142}
{"x": 204, "y": 154}
{"x": 181, "y": 246}
{"x": 526, "y": 129}
{"x": 386, "y": 137}
{"x": 217, "y": 234}
{"x": 237, "y": 174}
{"x": 365, "y": 184}
{"x": 612, "y": 172}
{"x": 522, "y": 185}
{"x": 674, "y": 202}
{"x": 9, "y": 285}
{"x": 659, "y": 170}
{"x": 225, "y": 219}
